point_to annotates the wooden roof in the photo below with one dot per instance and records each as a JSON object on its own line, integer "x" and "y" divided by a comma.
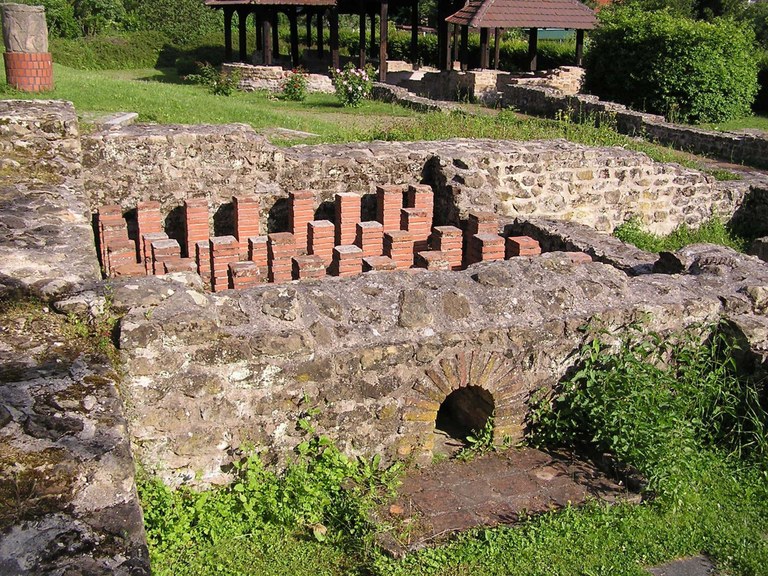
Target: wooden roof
{"x": 236, "y": 3}
{"x": 525, "y": 14}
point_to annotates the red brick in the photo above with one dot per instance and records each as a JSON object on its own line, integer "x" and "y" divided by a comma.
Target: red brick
{"x": 321, "y": 239}
{"x": 257, "y": 250}
{"x": 309, "y": 266}
{"x": 420, "y": 196}
{"x": 246, "y": 209}
{"x": 579, "y": 257}
{"x": 163, "y": 250}
{"x": 300, "y": 213}
{"x": 485, "y": 247}
{"x": 179, "y": 265}
{"x": 370, "y": 238}
{"x": 433, "y": 260}
{"x": 244, "y": 274}
{"x": 482, "y": 223}
{"x": 129, "y": 270}
{"x": 378, "y": 264}
{"x": 281, "y": 248}
{"x": 148, "y": 218}
{"x": 196, "y": 223}
{"x": 146, "y": 249}
{"x": 522, "y": 246}
{"x": 389, "y": 201}
{"x": 347, "y": 216}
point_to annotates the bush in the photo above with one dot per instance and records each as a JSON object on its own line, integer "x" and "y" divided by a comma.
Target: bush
{"x": 352, "y": 85}
{"x": 60, "y": 17}
{"x": 295, "y": 86}
{"x": 761, "y": 101}
{"x": 134, "y": 50}
{"x": 687, "y": 70}
{"x": 218, "y": 83}
{"x": 181, "y": 21}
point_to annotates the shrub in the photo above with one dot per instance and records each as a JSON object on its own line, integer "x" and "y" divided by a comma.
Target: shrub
{"x": 218, "y": 83}
{"x": 352, "y": 85}
{"x": 761, "y": 101}
{"x": 687, "y": 70}
{"x": 60, "y": 17}
{"x": 182, "y": 21}
{"x": 295, "y": 86}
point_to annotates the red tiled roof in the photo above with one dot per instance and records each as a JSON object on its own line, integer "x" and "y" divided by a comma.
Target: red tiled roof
{"x": 525, "y": 14}
{"x": 222, "y": 3}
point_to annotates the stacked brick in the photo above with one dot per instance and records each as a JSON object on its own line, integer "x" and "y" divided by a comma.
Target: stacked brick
{"x": 305, "y": 267}
{"x": 258, "y": 253}
{"x": 378, "y": 264}
{"x": 485, "y": 224}
{"x": 486, "y": 247}
{"x": 195, "y": 223}
{"x": 118, "y": 253}
{"x": 347, "y": 260}
{"x": 398, "y": 245}
{"x": 146, "y": 250}
{"x": 417, "y": 217}
{"x": 225, "y": 250}
{"x": 301, "y": 212}
{"x": 203, "y": 260}
{"x": 321, "y": 235}
{"x": 347, "y": 217}
{"x": 246, "y": 220}
{"x": 522, "y": 246}
{"x": 389, "y": 202}
{"x": 281, "y": 251}
{"x": 448, "y": 239}
{"x": 165, "y": 250}
{"x": 244, "y": 274}
{"x": 29, "y": 72}
{"x": 370, "y": 238}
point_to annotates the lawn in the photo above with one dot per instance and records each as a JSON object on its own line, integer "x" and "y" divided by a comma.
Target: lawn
{"x": 757, "y": 122}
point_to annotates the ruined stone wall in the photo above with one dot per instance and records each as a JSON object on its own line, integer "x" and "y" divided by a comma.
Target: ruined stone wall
{"x": 271, "y": 78}
{"x": 600, "y": 187}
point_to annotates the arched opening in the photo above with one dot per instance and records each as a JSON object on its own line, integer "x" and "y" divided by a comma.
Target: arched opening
{"x": 462, "y": 412}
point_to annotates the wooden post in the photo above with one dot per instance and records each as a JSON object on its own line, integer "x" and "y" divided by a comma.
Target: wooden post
{"x": 383, "y": 40}
{"x": 372, "y": 43}
{"x": 334, "y": 38}
{"x": 228, "y": 34}
{"x": 483, "y": 48}
{"x": 293, "y": 19}
{"x": 320, "y": 39}
{"x": 579, "y": 47}
{"x": 443, "y": 41}
{"x": 496, "y": 34}
{"x": 464, "y": 52}
{"x": 257, "y": 22}
{"x": 361, "y": 58}
{"x": 415, "y": 34}
{"x": 242, "y": 20}
{"x": 275, "y": 34}
{"x": 266, "y": 37}
{"x": 455, "y": 53}
{"x": 533, "y": 40}
{"x": 308, "y": 22}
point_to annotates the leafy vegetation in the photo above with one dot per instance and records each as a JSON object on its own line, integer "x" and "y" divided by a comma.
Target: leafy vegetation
{"x": 690, "y": 71}
{"x": 218, "y": 83}
{"x": 295, "y": 86}
{"x": 713, "y": 231}
{"x": 352, "y": 85}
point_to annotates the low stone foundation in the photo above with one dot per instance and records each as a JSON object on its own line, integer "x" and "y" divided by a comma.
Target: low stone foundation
{"x": 272, "y": 78}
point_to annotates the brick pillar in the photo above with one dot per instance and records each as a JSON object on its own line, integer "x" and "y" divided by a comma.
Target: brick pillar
{"x": 398, "y": 245}
{"x": 448, "y": 239}
{"x": 121, "y": 258}
{"x": 146, "y": 250}
{"x": 281, "y": 250}
{"x": 347, "y": 260}
{"x": 378, "y": 264}
{"x": 522, "y": 246}
{"x": 179, "y": 265}
{"x": 28, "y": 64}
{"x": 244, "y": 274}
{"x": 203, "y": 258}
{"x": 195, "y": 223}
{"x": 479, "y": 223}
{"x": 246, "y": 220}
{"x": 418, "y": 224}
{"x": 163, "y": 251}
{"x": 224, "y": 250}
{"x": 421, "y": 196}
{"x": 347, "y": 217}
{"x": 308, "y": 267}
{"x": 389, "y": 202}
{"x": 258, "y": 253}
{"x": 433, "y": 260}
{"x": 111, "y": 228}
{"x": 148, "y": 218}
{"x": 486, "y": 247}
{"x": 321, "y": 235}
{"x": 370, "y": 238}
{"x": 301, "y": 212}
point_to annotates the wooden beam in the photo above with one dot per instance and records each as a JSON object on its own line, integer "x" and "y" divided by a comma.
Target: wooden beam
{"x": 372, "y": 43}
{"x": 383, "y": 40}
{"x": 455, "y": 35}
{"x": 320, "y": 39}
{"x": 361, "y": 58}
{"x": 533, "y": 40}
{"x": 496, "y": 34}
{"x": 293, "y": 19}
{"x": 484, "y": 48}
{"x": 308, "y": 22}
{"x": 228, "y": 34}
{"x": 242, "y": 33}
{"x": 275, "y": 34}
{"x": 579, "y": 47}
{"x": 443, "y": 41}
{"x": 258, "y": 20}
{"x": 415, "y": 34}
{"x": 464, "y": 51}
{"x": 266, "y": 37}
{"x": 334, "y": 38}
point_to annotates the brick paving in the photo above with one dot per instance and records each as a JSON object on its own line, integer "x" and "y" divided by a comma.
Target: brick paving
{"x": 492, "y": 489}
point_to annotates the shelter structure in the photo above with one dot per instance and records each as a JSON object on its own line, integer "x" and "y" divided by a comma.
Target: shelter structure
{"x": 527, "y": 14}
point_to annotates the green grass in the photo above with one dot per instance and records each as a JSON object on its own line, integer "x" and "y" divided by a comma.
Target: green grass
{"x": 757, "y": 122}
{"x": 713, "y": 231}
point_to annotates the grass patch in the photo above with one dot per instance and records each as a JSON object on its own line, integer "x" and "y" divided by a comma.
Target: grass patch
{"x": 757, "y": 122}
{"x": 713, "y": 231}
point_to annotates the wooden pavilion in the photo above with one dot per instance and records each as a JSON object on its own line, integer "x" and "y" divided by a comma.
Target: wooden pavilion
{"x": 528, "y": 14}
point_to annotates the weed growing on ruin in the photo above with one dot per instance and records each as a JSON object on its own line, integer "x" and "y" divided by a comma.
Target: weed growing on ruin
{"x": 712, "y": 231}
{"x": 480, "y": 442}
{"x": 323, "y": 495}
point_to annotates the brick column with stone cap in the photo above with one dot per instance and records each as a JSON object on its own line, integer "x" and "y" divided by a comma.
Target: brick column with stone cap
{"x": 301, "y": 211}
{"x": 244, "y": 274}
{"x": 432, "y": 260}
{"x": 203, "y": 259}
{"x": 246, "y": 220}
{"x": 522, "y": 246}
{"x": 486, "y": 248}
{"x": 146, "y": 249}
{"x": 111, "y": 229}
{"x": 28, "y": 63}
{"x": 347, "y": 217}
{"x": 196, "y": 227}
{"x": 281, "y": 250}
{"x": 179, "y": 265}
{"x": 258, "y": 253}
{"x": 309, "y": 266}
{"x": 421, "y": 196}
{"x": 389, "y": 202}
{"x": 418, "y": 223}
{"x": 370, "y": 238}
{"x": 479, "y": 223}
{"x": 121, "y": 258}
{"x": 378, "y": 264}
{"x": 448, "y": 240}
{"x": 347, "y": 260}
{"x": 321, "y": 234}
{"x": 398, "y": 245}
{"x": 148, "y": 218}
{"x": 163, "y": 251}
{"x": 224, "y": 251}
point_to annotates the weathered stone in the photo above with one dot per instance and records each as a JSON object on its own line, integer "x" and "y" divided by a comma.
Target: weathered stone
{"x": 414, "y": 310}
{"x": 455, "y": 305}
{"x": 282, "y": 304}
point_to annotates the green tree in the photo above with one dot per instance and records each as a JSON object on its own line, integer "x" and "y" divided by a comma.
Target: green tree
{"x": 99, "y": 16}
{"x": 182, "y": 21}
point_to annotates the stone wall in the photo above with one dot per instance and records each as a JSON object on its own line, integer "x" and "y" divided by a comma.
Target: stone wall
{"x": 271, "y": 78}
{"x": 600, "y": 187}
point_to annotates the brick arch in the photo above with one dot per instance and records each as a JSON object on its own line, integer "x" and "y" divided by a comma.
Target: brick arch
{"x": 490, "y": 371}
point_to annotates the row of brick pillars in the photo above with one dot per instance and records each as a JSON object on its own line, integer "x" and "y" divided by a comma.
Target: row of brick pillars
{"x": 401, "y": 237}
